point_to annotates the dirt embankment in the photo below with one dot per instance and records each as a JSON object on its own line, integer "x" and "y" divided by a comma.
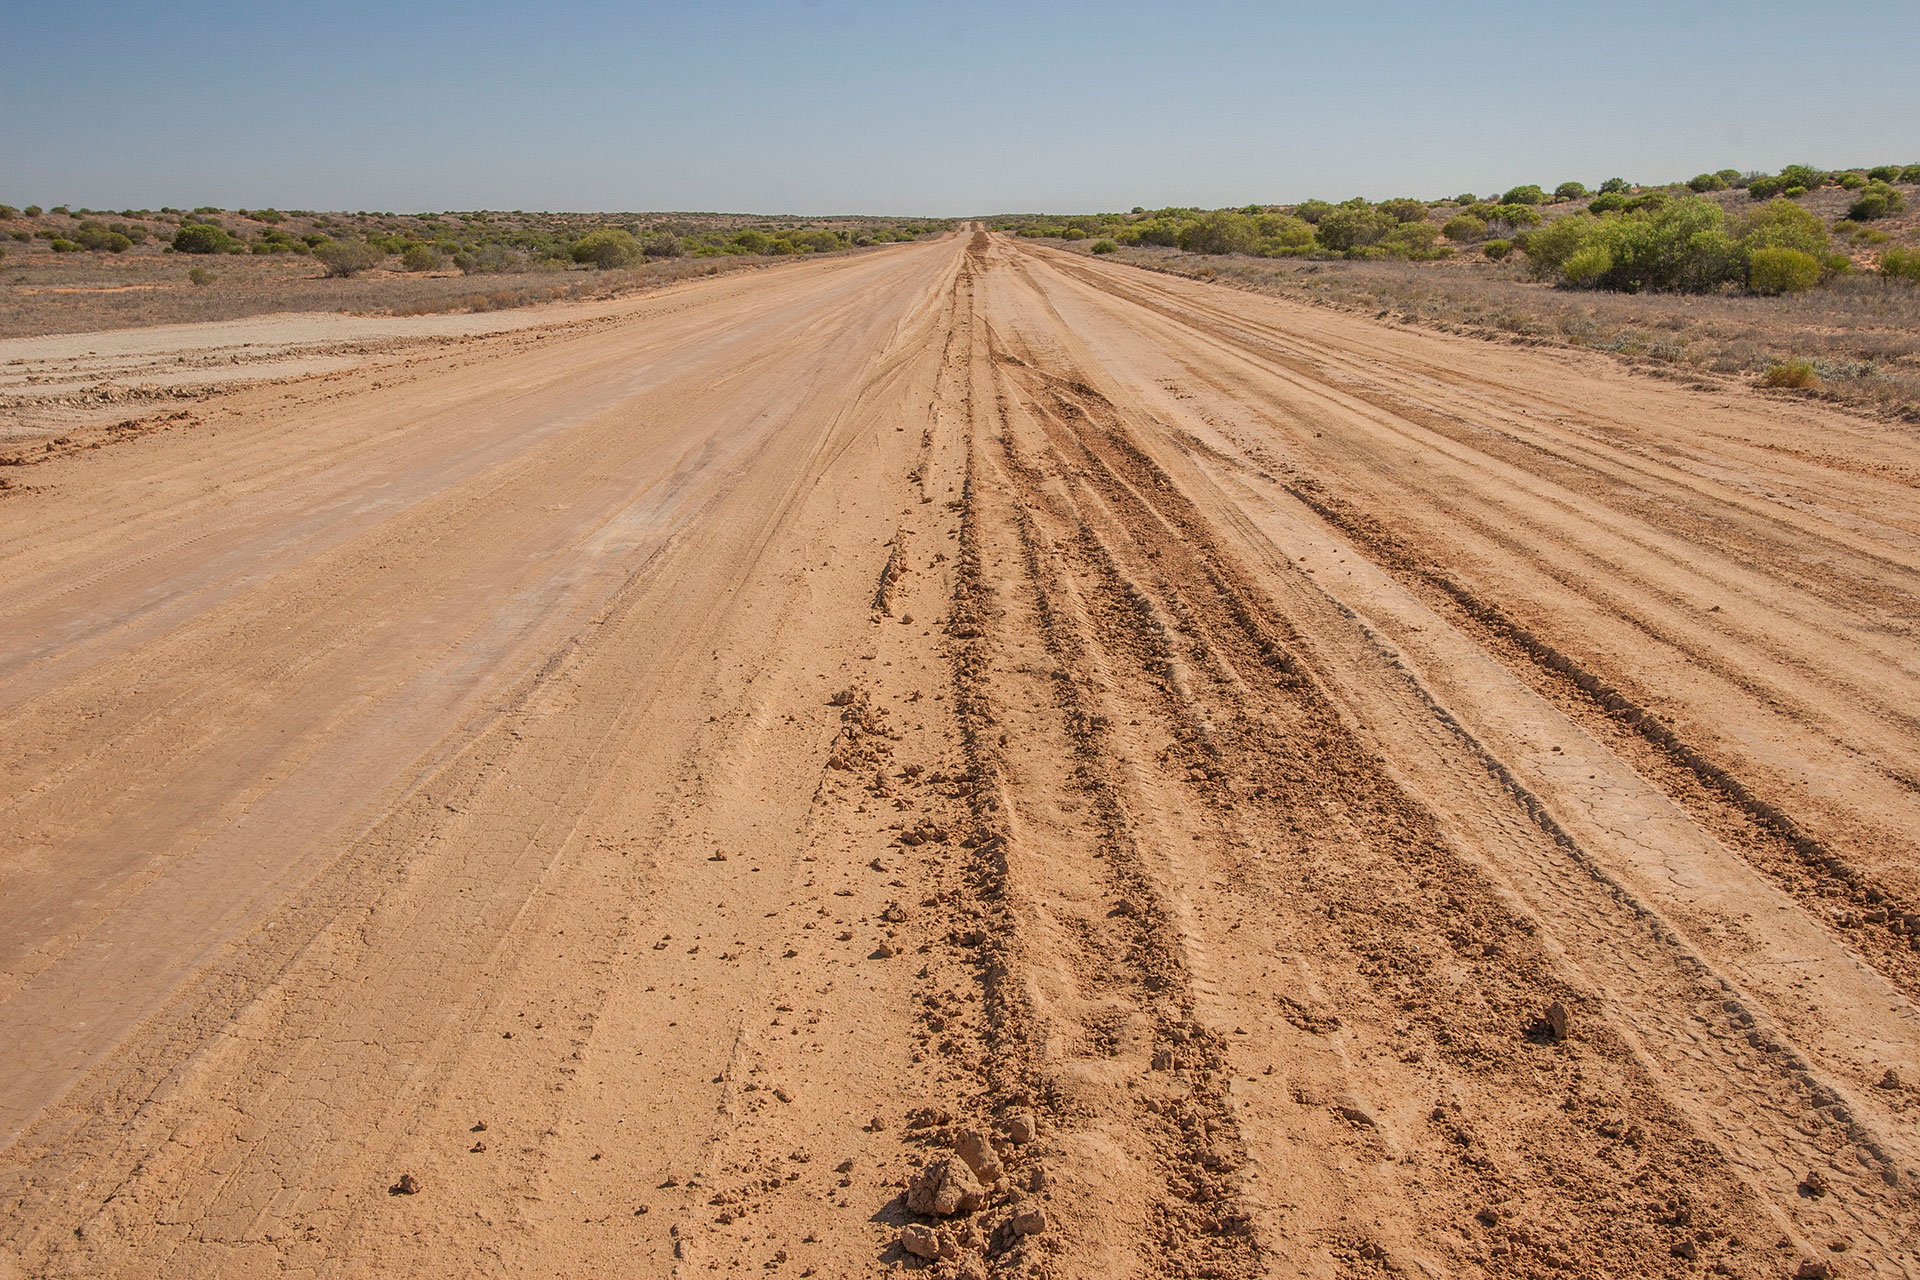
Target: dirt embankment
{"x": 971, "y": 759}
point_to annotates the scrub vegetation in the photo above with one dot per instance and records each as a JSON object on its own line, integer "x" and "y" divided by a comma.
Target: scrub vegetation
{"x": 1808, "y": 271}
{"x": 68, "y": 270}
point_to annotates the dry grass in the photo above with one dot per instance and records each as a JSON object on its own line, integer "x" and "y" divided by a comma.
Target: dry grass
{"x": 1859, "y": 336}
{"x": 84, "y": 292}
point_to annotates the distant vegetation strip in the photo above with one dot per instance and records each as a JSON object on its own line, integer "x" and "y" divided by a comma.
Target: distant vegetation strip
{"x": 1678, "y": 237}
{"x": 474, "y": 242}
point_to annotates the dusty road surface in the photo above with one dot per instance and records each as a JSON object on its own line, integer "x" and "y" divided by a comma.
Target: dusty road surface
{"x": 1199, "y": 785}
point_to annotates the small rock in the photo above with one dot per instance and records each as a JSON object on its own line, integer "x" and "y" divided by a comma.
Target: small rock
{"x": 1556, "y": 1019}
{"x": 928, "y": 1242}
{"x": 1030, "y": 1221}
{"x": 894, "y": 914}
{"x": 972, "y": 1146}
{"x": 845, "y": 1166}
{"x": 477, "y": 1147}
{"x": 876, "y": 1125}
{"x": 407, "y": 1186}
{"x": 1022, "y": 1127}
{"x": 1812, "y": 1270}
{"x": 1354, "y": 1111}
{"x": 942, "y": 1190}
{"x": 928, "y": 1117}
{"x": 1891, "y": 1080}
{"x": 882, "y": 952}
{"x": 1815, "y": 1184}
{"x": 1037, "y": 1179}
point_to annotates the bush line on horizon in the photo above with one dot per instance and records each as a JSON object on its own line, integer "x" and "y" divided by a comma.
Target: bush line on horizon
{"x": 1619, "y": 237}
{"x": 475, "y": 242}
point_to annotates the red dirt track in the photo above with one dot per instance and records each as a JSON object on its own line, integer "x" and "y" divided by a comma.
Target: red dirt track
{"x": 657, "y": 781}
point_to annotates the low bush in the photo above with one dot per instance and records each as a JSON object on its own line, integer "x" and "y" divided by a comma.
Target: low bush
{"x": 607, "y": 248}
{"x": 1774, "y": 271}
{"x": 99, "y": 239}
{"x": 1884, "y": 173}
{"x": 1223, "y": 231}
{"x": 664, "y": 245}
{"x": 1404, "y": 210}
{"x": 1877, "y": 200}
{"x": 1529, "y": 194}
{"x": 343, "y": 258}
{"x": 1612, "y": 185}
{"x": 1797, "y": 374}
{"x": 1707, "y": 182}
{"x": 1570, "y": 191}
{"x": 62, "y": 245}
{"x": 1911, "y": 173}
{"x": 1852, "y": 181}
{"x": 420, "y": 257}
{"x": 1610, "y": 202}
{"x": 200, "y": 277}
{"x": 1351, "y": 227}
{"x": 1462, "y": 227}
{"x": 1782, "y": 224}
{"x": 1103, "y": 246}
{"x": 1900, "y": 264}
{"x": 32, "y": 211}
{"x": 8, "y": 213}
{"x": 1497, "y": 249}
{"x": 202, "y": 237}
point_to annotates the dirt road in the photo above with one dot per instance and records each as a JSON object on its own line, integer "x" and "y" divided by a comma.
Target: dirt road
{"x": 625, "y": 798}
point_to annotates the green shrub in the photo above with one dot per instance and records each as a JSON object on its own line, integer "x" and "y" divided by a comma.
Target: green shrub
{"x": 1222, "y": 231}
{"x": 8, "y": 213}
{"x": 1463, "y": 227}
{"x": 1884, "y": 173}
{"x": 93, "y": 236}
{"x": 420, "y": 257}
{"x": 1782, "y": 271}
{"x": 1529, "y": 194}
{"x": 1706, "y": 182}
{"x": 62, "y": 245}
{"x": 1283, "y": 234}
{"x": 1103, "y": 246}
{"x": 1515, "y": 215}
{"x": 1411, "y": 242}
{"x": 1804, "y": 175}
{"x": 1497, "y": 249}
{"x": 1588, "y": 265}
{"x": 608, "y": 247}
{"x": 32, "y": 211}
{"x": 1684, "y": 245}
{"x": 1852, "y": 181}
{"x": 1794, "y": 193}
{"x": 201, "y": 237}
{"x": 1797, "y": 374}
{"x": 1781, "y": 224}
{"x": 1570, "y": 191}
{"x": 1465, "y": 198}
{"x": 1909, "y": 174}
{"x": 1900, "y": 264}
{"x": 343, "y": 258}
{"x": 21, "y": 235}
{"x": 1610, "y": 202}
{"x": 1766, "y": 188}
{"x": 1727, "y": 176}
{"x": 200, "y": 276}
{"x": 751, "y": 241}
{"x": 1072, "y": 233}
{"x": 1351, "y": 227}
{"x": 663, "y": 245}
{"x": 1614, "y": 184}
{"x": 1404, "y": 210}
{"x": 1877, "y": 200}
{"x": 62, "y": 210}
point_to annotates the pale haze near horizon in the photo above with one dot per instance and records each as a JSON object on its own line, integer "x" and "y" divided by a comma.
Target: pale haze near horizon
{"x": 847, "y": 106}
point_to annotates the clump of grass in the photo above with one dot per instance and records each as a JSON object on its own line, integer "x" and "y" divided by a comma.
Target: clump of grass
{"x": 201, "y": 277}
{"x": 1797, "y": 375}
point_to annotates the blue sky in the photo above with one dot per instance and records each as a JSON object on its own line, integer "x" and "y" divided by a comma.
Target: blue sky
{"x": 817, "y": 106}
